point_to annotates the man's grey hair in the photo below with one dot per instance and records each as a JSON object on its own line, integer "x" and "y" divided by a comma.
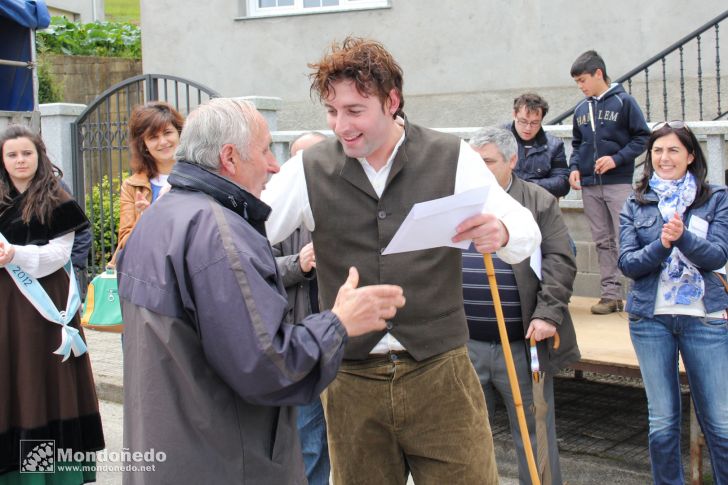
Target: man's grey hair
{"x": 502, "y": 139}
{"x": 216, "y": 123}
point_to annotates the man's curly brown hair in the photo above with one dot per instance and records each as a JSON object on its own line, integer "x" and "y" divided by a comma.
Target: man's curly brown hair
{"x": 364, "y": 61}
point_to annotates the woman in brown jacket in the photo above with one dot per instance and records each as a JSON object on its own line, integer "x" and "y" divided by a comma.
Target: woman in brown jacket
{"x": 154, "y": 130}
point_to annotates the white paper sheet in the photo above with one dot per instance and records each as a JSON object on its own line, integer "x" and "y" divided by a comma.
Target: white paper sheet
{"x": 535, "y": 263}
{"x": 432, "y": 224}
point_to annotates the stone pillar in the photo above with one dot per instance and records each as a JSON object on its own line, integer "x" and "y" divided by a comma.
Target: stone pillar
{"x": 716, "y": 156}
{"x": 713, "y": 135}
{"x": 56, "y": 119}
{"x": 269, "y": 107}
{"x": 26, "y": 118}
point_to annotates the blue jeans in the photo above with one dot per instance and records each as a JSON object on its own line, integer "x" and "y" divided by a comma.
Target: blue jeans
{"x": 703, "y": 344}
{"x": 312, "y": 432}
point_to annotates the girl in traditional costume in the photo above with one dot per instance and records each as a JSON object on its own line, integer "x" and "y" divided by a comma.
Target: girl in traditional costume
{"x": 47, "y": 392}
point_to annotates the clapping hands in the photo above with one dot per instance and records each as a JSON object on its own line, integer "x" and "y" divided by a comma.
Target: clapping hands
{"x": 672, "y": 230}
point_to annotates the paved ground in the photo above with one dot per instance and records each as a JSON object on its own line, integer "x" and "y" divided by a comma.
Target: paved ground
{"x": 112, "y": 416}
{"x": 601, "y": 422}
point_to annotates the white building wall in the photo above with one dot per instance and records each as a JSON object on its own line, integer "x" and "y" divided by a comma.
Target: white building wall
{"x": 81, "y": 10}
{"x": 474, "y": 56}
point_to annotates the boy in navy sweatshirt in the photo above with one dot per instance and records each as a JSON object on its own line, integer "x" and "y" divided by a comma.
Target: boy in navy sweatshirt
{"x": 609, "y": 133}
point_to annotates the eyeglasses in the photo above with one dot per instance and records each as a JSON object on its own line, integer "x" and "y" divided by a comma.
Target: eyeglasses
{"x": 532, "y": 124}
{"x": 675, "y": 125}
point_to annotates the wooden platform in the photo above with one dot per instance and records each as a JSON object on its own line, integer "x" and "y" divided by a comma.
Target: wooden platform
{"x": 604, "y": 341}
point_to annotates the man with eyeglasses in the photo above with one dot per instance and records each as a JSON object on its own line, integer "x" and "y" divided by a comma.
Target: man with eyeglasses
{"x": 541, "y": 156}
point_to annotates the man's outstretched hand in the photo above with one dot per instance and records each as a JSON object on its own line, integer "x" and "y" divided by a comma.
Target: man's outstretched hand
{"x": 366, "y": 309}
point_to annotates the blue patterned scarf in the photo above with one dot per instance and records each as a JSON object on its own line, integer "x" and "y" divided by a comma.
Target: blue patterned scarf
{"x": 681, "y": 280}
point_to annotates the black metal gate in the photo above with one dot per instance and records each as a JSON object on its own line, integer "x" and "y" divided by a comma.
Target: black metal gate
{"x": 100, "y": 154}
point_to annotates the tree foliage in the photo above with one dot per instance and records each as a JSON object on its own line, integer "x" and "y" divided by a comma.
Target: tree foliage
{"x": 102, "y": 208}
{"x": 104, "y": 39}
{"x": 49, "y": 91}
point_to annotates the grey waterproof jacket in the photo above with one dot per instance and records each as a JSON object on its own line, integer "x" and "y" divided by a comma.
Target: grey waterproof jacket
{"x": 210, "y": 367}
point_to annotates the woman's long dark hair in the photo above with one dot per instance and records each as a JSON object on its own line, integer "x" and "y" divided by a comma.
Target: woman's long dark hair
{"x": 44, "y": 193}
{"x": 149, "y": 119}
{"x": 699, "y": 167}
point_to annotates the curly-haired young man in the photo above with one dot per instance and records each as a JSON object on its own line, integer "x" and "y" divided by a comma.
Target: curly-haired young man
{"x": 406, "y": 398}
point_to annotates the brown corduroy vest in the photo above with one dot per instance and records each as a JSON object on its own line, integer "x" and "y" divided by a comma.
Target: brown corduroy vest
{"x": 353, "y": 226}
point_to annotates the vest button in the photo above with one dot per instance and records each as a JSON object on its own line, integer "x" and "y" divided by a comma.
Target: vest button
{"x": 382, "y": 214}
{"x": 390, "y": 325}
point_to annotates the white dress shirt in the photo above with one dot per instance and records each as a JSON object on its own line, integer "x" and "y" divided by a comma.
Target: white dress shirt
{"x": 40, "y": 261}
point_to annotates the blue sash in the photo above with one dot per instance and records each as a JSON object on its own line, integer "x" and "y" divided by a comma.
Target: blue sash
{"x": 71, "y": 340}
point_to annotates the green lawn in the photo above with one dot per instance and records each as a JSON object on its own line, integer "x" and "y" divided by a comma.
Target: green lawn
{"x": 122, "y": 11}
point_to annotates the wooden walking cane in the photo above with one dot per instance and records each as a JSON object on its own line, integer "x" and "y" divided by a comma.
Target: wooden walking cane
{"x": 511, "y": 368}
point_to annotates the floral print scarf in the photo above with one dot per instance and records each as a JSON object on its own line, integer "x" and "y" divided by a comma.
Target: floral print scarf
{"x": 681, "y": 280}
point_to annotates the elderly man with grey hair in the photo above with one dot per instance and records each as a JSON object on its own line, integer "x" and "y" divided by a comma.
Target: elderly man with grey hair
{"x": 211, "y": 365}
{"x": 534, "y": 306}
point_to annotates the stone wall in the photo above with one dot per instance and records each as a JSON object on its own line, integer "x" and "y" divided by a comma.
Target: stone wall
{"x": 494, "y": 107}
{"x": 27, "y": 118}
{"x": 83, "y": 78}
{"x": 463, "y": 62}
{"x": 77, "y": 10}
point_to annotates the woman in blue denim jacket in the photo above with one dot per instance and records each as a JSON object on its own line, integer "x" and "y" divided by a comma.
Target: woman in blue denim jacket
{"x": 674, "y": 235}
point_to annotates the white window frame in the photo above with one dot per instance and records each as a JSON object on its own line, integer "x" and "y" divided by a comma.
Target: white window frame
{"x": 253, "y": 10}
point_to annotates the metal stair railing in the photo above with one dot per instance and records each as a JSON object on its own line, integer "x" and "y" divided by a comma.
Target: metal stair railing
{"x": 660, "y": 61}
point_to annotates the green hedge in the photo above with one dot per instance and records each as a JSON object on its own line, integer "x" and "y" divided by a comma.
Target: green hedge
{"x": 104, "y": 230}
{"x": 49, "y": 91}
{"x": 105, "y": 39}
